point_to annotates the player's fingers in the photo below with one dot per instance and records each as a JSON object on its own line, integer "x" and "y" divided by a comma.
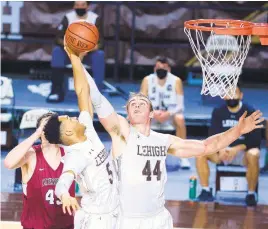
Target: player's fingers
{"x": 75, "y": 207}
{"x": 256, "y": 112}
{"x": 76, "y": 204}
{"x": 69, "y": 209}
{"x": 259, "y": 120}
{"x": 244, "y": 115}
{"x": 63, "y": 208}
{"x": 258, "y": 126}
{"x": 64, "y": 41}
{"x": 257, "y": 116}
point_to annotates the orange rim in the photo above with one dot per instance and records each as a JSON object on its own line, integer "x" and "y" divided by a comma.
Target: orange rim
{"x": 261, "y": 30}
{"x": 235, "y": 27}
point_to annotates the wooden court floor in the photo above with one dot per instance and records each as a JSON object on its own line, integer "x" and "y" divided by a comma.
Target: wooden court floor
{"x": 185, "y": 214}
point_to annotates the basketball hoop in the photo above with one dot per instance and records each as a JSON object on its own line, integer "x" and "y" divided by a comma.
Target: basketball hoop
{"x": 221, "y": 46}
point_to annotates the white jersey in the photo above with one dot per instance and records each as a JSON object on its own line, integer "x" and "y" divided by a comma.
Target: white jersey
{"x": 72, "y": 17}
{"x": 162, "y": 97}
{"x": 142, "y": 174}
{"x": 94, "y": 169}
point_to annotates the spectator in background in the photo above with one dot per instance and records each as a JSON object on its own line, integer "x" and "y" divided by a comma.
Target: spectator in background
{"x": 265, "y": 168}
{"x": 59, "y": 57}
{"x": 165, "y": 90}
{"x": 244, "y": 151}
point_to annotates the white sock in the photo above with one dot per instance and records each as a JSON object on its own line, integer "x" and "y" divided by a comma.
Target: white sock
{"x": 206, "y": 189}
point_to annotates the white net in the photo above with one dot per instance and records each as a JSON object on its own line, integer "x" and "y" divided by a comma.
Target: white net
{"x": 221, "y": 58}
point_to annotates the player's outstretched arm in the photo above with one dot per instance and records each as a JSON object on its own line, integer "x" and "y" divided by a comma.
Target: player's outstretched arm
{"x": 195, "y": 148}
{"x": 69, "y": 203}
{"x": 115, "y": 125}
{"x": 180, "y": 98}
{"x": 20, "y": 155}
{"x": 144, "y": 86}
{"x": 74, "y": 164}
{"x": 80, "y": 82}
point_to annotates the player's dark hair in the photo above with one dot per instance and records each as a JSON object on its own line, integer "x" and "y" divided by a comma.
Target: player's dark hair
{"x": 88, "y": 2}
{"x": 163, "y": 60}
{"x": 52, "y": 129}
{"x": 46, "y": 115}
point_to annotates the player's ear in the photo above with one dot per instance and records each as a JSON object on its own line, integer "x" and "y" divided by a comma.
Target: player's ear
{"x": 241, "y": 95}
{"x": 169, "y": 68}
{"x": 68, "y": 133}
{"x": 151, "y": 114}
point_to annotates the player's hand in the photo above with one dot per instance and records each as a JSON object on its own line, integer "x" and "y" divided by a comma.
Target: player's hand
{"x": 164, "y": 116}
{"x": 223, "y": 155}
{"x": 157, "y": 114}
{"x": 69, "y": 203}
{"x": 40, "y": 130}
{"x": 227, "y": 154}
{"x": 231, "y": 152}
{"x": 95, "y": 48}
{"x": 246, "y": 125}
{"x": 69, "y": 52}
{"x": 82, "y": 55}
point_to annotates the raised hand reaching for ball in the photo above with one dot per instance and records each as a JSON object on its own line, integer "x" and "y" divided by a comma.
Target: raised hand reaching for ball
{"x": 71, "y": 53}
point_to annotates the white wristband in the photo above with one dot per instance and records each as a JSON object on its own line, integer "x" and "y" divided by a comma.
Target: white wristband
{"x": 102, "y": 106}
{"x": 64, "y": 183}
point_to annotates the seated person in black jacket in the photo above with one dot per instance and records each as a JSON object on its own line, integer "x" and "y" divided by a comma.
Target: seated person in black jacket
{"x": 59, "y": 60}
{"x": 244, "y": 151}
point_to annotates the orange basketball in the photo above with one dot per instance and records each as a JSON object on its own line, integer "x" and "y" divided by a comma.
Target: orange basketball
{"x": 81, "y": 36}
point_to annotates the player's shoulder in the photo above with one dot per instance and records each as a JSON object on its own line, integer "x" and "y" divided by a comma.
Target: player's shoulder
{"x": 146, "y": 78}
{"x": 70, "y": 13}
{"x": 91, "y": 13}
{"x": 247, "y": 107}
{"x": 178, "y": 80}
{"x": 150, "y": 76}
{"x": 219, "y": 109}
{"x": 175, "y": 77}
{"x": 79, "y": 150}
{"x": 159, "y": 135}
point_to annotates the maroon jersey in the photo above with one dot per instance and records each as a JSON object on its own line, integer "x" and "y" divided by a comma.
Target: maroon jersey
{"x": 41, "y": 208}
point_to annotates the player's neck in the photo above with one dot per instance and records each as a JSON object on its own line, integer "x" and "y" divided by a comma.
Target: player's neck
{"x": 78, "y": 139}
{"x": 51, "y": 149}
{"x": 235, "y": 109}
{"x": 162, "y": 82}
{"x": 83, "y": 17}
{"x": 144, "y": 129}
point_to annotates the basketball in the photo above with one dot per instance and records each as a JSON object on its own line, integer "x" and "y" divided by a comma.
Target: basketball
{"x": 81, "y": 36}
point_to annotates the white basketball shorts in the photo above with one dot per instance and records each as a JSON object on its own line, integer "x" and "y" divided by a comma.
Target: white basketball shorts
{"x": 83, "y": 220}
{"x": 161, "y": 220}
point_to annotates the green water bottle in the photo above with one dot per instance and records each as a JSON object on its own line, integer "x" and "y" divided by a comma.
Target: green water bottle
{"x": 76, "y": 188}
{"x": 192, "y": 188}
{"x": 266, "y": 157}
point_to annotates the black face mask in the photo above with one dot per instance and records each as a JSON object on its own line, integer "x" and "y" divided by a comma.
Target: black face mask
{"x": 232, "y": 102}
{"x": 161, "y": 73}
{"x": 80, "y": 11}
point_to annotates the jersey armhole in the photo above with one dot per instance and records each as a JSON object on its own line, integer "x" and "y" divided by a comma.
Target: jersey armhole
{"x": 168, "y": 142}
{"x": 26, "y": 167}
